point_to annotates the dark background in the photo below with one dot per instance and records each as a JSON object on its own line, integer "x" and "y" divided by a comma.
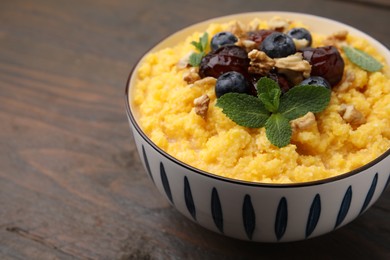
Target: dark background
{"x": 71, "y": 183}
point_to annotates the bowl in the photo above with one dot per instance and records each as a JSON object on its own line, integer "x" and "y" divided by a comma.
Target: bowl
{"x": 258, "y": 211}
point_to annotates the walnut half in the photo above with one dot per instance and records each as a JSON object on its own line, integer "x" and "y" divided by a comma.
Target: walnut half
{"x": 248, "y": 45}
{"x": 260, "y": 63}
{"x": 351, "y": 115}
{"x": 294, "y": 62}
{"x": 191, "y": 76}
{"x": 300, "y": 43}
{"x": 279, "y": 24}
{"x": 204, "y": 83}
{"x": 202, "y": 105}
{"x": 336, "y": 39}
{"x": 303, "y": 122}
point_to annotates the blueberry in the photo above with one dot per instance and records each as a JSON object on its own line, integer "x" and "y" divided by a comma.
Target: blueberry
{"x": 231, "y": 81}
{"x": 316, "y": 80}
{"x": 300, "y": 33}
{"x": 278, "y": 45}
{"x": 221, "y": 39}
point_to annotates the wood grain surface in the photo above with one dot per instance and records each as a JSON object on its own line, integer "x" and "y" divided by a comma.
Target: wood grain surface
{"x": 71, "y": 183}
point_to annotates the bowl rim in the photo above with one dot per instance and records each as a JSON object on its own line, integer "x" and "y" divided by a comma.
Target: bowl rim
{"x": 193, "y": 169}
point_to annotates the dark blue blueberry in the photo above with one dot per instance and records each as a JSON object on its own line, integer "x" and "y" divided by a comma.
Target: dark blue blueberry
{"x": 222, "y": 39}
{"x": 300, "y": 33}
{"x": 316, "y": 80}
{"x": 278, "y": 45}
{"x": 231, "y": 82}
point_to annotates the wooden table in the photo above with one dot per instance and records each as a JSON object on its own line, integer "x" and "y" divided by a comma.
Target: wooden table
{"x": 71, "y": 183}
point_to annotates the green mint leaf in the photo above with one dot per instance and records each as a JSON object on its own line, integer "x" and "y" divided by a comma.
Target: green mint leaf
{"x": 362, "y": 59}
{"x": 204, "y": 41}
{"x": 303, "y": 99}
{"x": 265, "y": 85}
{"x": 271, "y": 99}
{"x": 201, "y": 45}
{"x": 269, "y": 93}
{"x": 197, "y": 45}
{"x": 243, "y": 109}
{"x": 278, "y": 130}
{"x": 195, "y": 59}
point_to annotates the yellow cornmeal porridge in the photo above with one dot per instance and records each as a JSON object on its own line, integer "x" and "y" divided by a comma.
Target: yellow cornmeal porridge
{"x": 165, "y": 111}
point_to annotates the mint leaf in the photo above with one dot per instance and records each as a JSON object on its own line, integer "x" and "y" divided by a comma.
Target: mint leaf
{"x": 265, "y": 85}
{"x": 243, "y": 109}
{"x": 362, "y": 59}
{"x": 197, "y": 45}
{"x": 201, "y": 45}
{"x": 278, "y": 130}
{"x": 269, "y": 93}
{"x": 204, "y": 41}
{"x": 195, "y": 59}
{"x": 303, "y": 99}
{"x": 271, "y": 99}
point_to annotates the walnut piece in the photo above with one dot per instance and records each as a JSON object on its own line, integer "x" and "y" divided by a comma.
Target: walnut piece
{"x": 238, "y": 29}
{"x": 294, "y": 62}
{"x": 260, "y": 63}
{"x": 205, "y": 82}
{"x": 248, "y": 45}
{"x": 191, "y": 76}
{"x": 300, "y": 43}
{"x": 279, "y": 24}
{"x": 303, "y": 122}
{"x": 351, "y": 115}
{"x": 202, "y": 105}
{"x": 336, "y": 38}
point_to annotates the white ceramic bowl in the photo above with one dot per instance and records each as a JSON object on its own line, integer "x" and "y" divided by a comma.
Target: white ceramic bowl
{"x": 255, "y": 211}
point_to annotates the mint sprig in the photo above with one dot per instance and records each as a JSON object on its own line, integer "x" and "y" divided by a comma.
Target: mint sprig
{"x": 201, "y": 46}
{"x": 269, "y": 93}
{"x": 272, "y": 110}
{"x": 244, "y": 110}
{"x": 362, "y": 59}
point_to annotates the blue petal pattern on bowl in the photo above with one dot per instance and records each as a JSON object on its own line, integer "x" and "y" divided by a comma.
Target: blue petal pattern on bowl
{"x": 188, "y": 198}
{"x": 314, "y": 215}
{"x": 147, "y": 166}
{"x": 165, "y": 182}
{"x": 344, "y": 208}
{"x": 387, "y": 184}
{"x": 216, "y": 210}
{"x": 370, "y": 193}
{"x": 248, "y": 216}
{"x": 281, "y": 218}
